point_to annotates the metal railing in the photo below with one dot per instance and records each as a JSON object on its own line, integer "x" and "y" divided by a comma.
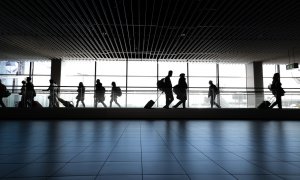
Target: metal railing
{"x": 137, "y": 97}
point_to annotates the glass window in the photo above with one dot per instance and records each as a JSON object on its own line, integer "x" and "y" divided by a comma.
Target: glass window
{"x": 232, "y": 85}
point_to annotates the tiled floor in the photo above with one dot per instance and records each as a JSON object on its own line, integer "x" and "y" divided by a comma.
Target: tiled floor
{"x": 150, "y": 150}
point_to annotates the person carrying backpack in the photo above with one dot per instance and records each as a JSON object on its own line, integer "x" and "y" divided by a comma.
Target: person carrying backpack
{"x": 277, "y": 91}
{"x": 180, "y": 91}
{"x": 115, "y": 92}
{"x": 212, "y": 93}
{"x": 168, "y": 90}
{"x": 100, "y": 93}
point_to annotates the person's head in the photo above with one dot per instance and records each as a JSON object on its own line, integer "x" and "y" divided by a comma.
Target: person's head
{"x": 276, "y": 76}
{"x": 170, "y": 73}
{"x": 182, "y": 75}
{"x": 81, "y": 84}
{"x": 210, "y": 82}
{"x": 51, "y": 81}
{"x": 98, "y": 81}
{"x": 23, "y": 82}
{"x": 113, "y": 84}
{"x": 28, "y": 79}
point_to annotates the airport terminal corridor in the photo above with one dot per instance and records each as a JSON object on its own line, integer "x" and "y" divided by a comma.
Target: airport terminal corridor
{"x": 146, "y": 150}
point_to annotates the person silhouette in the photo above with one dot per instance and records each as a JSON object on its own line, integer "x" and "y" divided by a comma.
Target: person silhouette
{"x": 30, "y": 92}
{"x": 23, "y": 102}
{"x": 2, "y": 93}
{"x": 80, "y": 95}
{"x": 181, "y": 91}
{"x": 212, "y": 93}
{"x": 115, "y": 91}
{"x": 168, "y": 90}
{"x": 99, "y": 93}
{"x": 277, "y": 90}
{"x": 53, "y": 102}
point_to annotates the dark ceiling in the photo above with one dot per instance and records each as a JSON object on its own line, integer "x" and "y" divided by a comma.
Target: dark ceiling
{"x": 235, "y": 31}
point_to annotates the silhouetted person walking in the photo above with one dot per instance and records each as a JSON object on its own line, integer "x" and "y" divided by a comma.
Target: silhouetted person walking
{"x": 180, "y": 90}
{"x": 30, "y": 92}
{"x": 2, "y": 93}
{"x": 53, "y": 102}
{"x": 23, "y": 102}
{"x": 168, "y": 90}
{"x": 277, "y": 90}
{"x": 212, "y": 93}
{"x": 80, "y": 95}
{"x": 115, "y": 92}
{"x": 100, "y": 93}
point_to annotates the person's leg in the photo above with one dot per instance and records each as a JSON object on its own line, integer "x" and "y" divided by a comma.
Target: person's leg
{"x": 211, "y": 102}
{"x": 216, "y": 103}
{"x": 82, "y": 101}
{"x": 167, "y": 99}
{"x": 117, "y": 102}
{"x": 279, "y": 102}
{"x": 183, "y": 104}
{"x": 177, "y": 104}
{"x": 274, "y": 104}
{"x": 77, "y": 102}
{"x": 104, "y": 105}
{"x": 110, "y": 104}
{"x": 1, "y": 102}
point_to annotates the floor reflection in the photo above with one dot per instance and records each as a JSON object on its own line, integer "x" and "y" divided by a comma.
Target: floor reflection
{"x": 150, "y": 149}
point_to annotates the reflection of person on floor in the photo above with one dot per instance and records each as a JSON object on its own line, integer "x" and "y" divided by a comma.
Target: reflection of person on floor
{"x": 168, "y": 90}
{"x": 181, "y": 91}
{"x": 277, "y": 90}
{"x": 80, "y": 96}
{"x": 99, "y": 93}
{"x": 212, "y": 93}
{"x": 115, "y": 92}
{"x": 2, "y": 92}
{"x": 53, "y": 102}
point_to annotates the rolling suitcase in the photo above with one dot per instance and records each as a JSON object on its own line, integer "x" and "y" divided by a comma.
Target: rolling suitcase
{"x": 151, "y": 103}
{"x": 264, "y": 105}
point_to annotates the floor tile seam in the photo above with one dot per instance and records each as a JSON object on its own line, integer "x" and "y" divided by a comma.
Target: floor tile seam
{"x": 174, "y": 156}
{"x": 213, "y": 161}
{"x": 68, "y": 162}
{"x": 98, "y": 174}
{"x": 255, "y": 165}
{"x": 11, "y": 172}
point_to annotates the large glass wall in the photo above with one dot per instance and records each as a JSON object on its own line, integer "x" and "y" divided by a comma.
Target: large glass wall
{"x": 232, "y": 82}
{"x": 14, "y": 72}
{"x": 199, "y": 75}
{"x": 112, "y": 71}
{"x": 74, "y": 72}
{"x": 142, "y": 78}
{"x": 290, "y": 80}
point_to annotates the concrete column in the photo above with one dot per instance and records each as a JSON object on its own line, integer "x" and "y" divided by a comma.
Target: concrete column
{"x": 56, "y": 70}
{"x": 254, "y": 78}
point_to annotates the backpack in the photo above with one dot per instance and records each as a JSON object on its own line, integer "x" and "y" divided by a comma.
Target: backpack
{"x": 118, "y": 91}
{"x": 161, "y": 85}
{"x": 176, "y": 89}
{"x": 216, "y": 89}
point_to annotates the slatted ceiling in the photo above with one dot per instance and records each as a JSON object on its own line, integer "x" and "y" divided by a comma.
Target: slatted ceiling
{"x": 173, "y": 30}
